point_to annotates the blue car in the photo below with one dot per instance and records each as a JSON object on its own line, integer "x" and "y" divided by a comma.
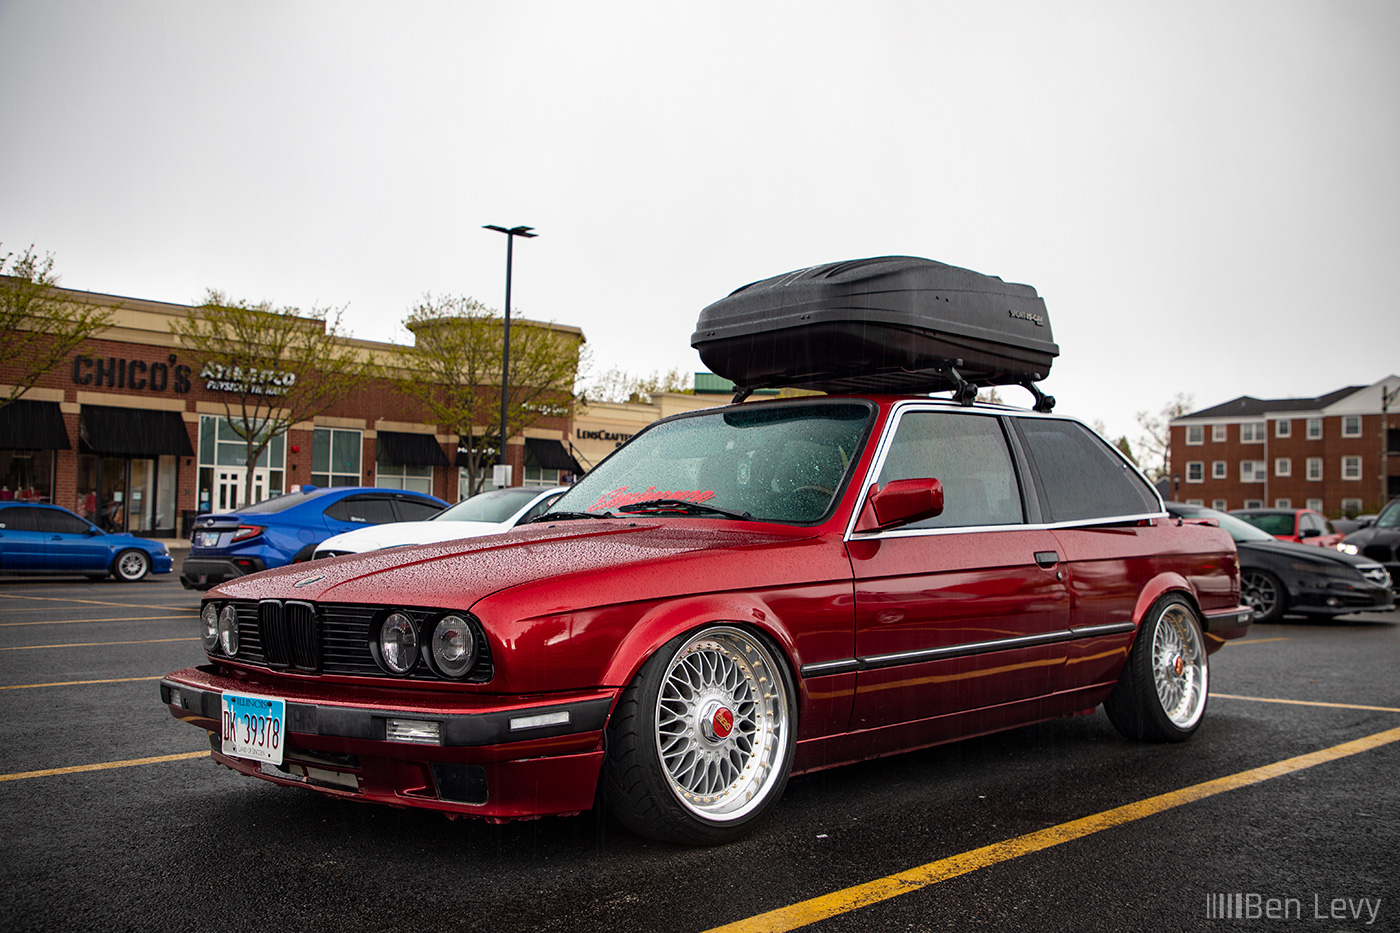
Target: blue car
{"x": 38, "y": 538}
{"x": 286, "y": 529}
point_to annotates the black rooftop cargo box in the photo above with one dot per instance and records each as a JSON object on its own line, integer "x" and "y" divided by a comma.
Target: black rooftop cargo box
{"x": 896, "y": 324}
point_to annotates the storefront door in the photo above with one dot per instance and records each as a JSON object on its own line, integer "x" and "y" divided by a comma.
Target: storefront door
{"x": 229, "y": 483}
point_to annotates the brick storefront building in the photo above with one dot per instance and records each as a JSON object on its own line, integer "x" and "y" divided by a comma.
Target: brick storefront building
{"x": 129, "y": 434}
{"x": 1338, "y": 453}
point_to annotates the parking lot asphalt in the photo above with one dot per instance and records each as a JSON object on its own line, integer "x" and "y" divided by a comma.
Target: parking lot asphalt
{"x": 1279, "y": 814}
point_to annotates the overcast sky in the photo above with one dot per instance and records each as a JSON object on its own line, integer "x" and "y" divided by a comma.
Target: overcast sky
{"x": 1206, "y": 194}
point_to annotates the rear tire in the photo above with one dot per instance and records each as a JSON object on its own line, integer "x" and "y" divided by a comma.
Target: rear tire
{"x": 702, "y": 740}
{"x": 1162, "y": 693}
{"x": 1264, "y": 593}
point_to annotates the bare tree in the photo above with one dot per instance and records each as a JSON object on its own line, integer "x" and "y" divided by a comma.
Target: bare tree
{"x": 1154, "y": 443}
{"x": 616, "y": 385}
{"x": 273, "y": 367}
{"x": 41, "y": 328}
{"x": 453, "y": 370}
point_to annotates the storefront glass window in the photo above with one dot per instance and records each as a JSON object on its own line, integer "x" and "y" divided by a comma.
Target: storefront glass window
{"x": 335, "y": 457}
{"x": 223, "y": 467}
{"x": 27, "y": 475}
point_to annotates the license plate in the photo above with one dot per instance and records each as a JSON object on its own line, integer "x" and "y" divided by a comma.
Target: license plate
{"x": 208, "y": 539}
{"x": 254, "y": 726}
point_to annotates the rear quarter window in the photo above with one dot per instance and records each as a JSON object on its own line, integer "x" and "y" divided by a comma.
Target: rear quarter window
{"x": 363, "y": 510}
{"x": 1082, "y": 477}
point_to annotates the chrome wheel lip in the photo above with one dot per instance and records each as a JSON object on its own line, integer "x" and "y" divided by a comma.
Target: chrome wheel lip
{"x": 1180, "y": 672}
{"x": 722, "y": 774}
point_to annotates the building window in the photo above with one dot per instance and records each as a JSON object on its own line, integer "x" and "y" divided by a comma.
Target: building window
{"x": 1219, "y": 433}
{"x": 335, "y": 457}
{"x": 1254, "y": 503}
{"x": 1283, "y": 428}
{"x": 1314, "y": 429}
{"x": 1315, "y": 505}
{"x": 1194, "y": 502}
{"x": 1351, "y": 506}
{"x": 1195, "y": 435}
{"x": 1195, "y": 472}
{"x": 1351, "y": 468}
{"x": 1283, "y": 466}
{"x": 1253, "y": 432}
{"x": 399, "y": 476}
{"x": 1283, "y": 503}
{"x": 1218, "y": 505}
{"x": 1314, "y": 468}
{"x": 1252, "y": 471}
{"x": 1351, "y": 426}
{"x": 223, "y": 467}
{"x": 1219, "y": 469}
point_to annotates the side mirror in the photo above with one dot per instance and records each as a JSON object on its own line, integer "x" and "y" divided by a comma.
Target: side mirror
{"x": 93, "y": 530}
{"x": 1311, "y": 533}
{"x": 900, "y": 502}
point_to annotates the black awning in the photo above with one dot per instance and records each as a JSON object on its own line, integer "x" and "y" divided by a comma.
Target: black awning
{"x": 550, "y": 455}
{"x": 134, "y": 432}
{"x": 403, "y": 449}
{"x": 26, "y": 425}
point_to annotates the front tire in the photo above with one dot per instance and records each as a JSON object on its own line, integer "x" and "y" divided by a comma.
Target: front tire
{"x": 702, "y": 741}
{"x": 1161, "y": 694}
{"x": 131, "y": 565}
{"x": 1264, "y": 593}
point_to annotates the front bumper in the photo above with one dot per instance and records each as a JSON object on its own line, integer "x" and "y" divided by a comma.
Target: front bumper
{"x": 497, "y": 757}
{"x": 1340, "y": 600}
{"x": 202, "y": 573}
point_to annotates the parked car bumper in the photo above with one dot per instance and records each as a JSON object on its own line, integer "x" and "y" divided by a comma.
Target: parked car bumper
{"x": 1334, "y": 601}
{"x": 201, "y": 573}
{"x": 497, "y": 757}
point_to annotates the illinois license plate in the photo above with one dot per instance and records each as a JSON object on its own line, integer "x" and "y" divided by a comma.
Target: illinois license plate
{"x": 254, "y": 726}
{"x": 208, "y": 539}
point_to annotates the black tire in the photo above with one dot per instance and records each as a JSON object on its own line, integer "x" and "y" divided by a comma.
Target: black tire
{"x": 131, "y": 565}
{"x": 1162, "y": 693}
{"x": 1264, "y": 593}
{"x": 702, "y": 741}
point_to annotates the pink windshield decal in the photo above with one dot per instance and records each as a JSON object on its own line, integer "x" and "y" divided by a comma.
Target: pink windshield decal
{"x": 620, "y": 496}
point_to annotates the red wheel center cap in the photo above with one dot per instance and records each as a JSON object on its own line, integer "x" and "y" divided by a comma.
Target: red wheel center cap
{"x": 722, "y": 723}
{"x": 1179, "y": 665}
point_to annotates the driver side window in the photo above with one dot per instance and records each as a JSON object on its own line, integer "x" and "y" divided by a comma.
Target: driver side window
{"x": 969, "y": 456}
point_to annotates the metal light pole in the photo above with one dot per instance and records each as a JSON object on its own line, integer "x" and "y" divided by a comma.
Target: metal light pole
{"x": 511, "y": 233}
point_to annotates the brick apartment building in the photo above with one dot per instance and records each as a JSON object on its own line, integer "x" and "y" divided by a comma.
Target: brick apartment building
{"x": 1338, "y": 453}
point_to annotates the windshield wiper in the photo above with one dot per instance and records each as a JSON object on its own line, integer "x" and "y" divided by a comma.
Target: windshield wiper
{"x": 567, "y": 516}
{"x": 684, "y": 507}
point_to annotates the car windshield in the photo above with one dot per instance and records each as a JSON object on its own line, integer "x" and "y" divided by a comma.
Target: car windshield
{"x": 1275, "y": 523}
{"x": 495, "y": 505}
{"x": 1390, "y": 516}
{"x": 779, "y": 462}
{"x": 1237, "y": 528}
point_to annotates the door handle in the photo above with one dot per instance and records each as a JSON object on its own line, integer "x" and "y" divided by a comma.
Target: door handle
{"x": 1047, "y": 559}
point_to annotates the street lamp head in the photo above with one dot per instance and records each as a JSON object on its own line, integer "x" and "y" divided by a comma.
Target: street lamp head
{"x": 512, "y": 231}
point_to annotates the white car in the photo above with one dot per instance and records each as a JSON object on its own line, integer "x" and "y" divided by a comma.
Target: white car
{"x": 485, "y": 513}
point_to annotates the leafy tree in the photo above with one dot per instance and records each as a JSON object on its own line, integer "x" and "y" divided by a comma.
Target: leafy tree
{"x": 41, "y": 328}
{"x": 616, "y": 385}
{"x": 453, "y": 369}
{"x": 275, "y": 367}
{"x": 1155, "y": 441}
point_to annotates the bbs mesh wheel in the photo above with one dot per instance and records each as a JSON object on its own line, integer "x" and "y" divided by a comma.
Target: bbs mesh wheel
{"x": 702, "y": 740}
{"x": 1161, "y": 694}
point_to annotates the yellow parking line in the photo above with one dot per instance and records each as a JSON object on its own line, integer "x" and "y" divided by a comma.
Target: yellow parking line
{"x": 883, "y": 889}
{"x": 77, "y": 683}
{"x": 90, "y": 602}
{"x": 75, "y": 621}
{"x": 1258, "y": 641}
{"x": 1378, "y": 709}
{"x": 103, "y": 766}
{"x": 97, "y": 644}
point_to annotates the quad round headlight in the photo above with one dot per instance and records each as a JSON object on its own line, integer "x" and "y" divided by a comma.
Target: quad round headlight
{"x": 209, "y": 626}
{"x": 453, "y": 646}
{"x": 228, "y": 631}
{"x": 398, "y": 643}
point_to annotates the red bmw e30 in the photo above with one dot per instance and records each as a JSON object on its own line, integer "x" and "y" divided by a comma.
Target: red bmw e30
{"x": 745, "y": 593}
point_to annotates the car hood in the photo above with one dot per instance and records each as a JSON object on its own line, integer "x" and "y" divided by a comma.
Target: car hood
{"x": 1370, "y": 534}
{"x": 460, "y": 573}
{"x": 1310, "y": 552}
{"x": 398, "y": 534}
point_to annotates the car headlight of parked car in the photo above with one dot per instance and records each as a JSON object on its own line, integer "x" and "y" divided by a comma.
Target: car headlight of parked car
{"x": 209, "y": 626}
{"x": 1351, "y": 549}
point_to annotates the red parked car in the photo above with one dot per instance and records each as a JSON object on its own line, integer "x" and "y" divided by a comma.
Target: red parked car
{"x": 735, "y": 596}
{"x": 1301, "y": 526}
